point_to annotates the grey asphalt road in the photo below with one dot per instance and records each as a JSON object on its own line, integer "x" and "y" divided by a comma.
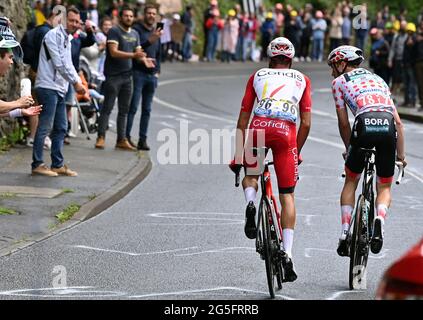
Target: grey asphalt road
{"x": 179, "y": 234}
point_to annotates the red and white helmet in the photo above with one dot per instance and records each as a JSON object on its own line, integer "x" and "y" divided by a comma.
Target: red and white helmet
{"x": 345, "y": 53}
{"x": 281, "y": 47}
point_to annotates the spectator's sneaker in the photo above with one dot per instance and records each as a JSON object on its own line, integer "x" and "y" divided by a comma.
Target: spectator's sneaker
{"x": 43, "y": 170}
{"x": 100, "y": 143}
{"x": 377, "y": 239}
{"x": 290, "y": 275}
{"x": 65, "y": 171}
{"x": 250, "y": 221}
{"x": 142, "y": 145}
{"x": 47, "y": 143}
{"x": 131, "y": 142}
{"x": 30, "y": 142}
{"x": 124, "y": 145}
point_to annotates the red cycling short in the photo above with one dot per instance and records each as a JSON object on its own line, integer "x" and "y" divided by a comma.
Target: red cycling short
{"x": 281, "y": 137}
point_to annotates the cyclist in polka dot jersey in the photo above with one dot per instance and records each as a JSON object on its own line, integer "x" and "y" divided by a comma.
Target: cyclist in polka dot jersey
{"x": 376, "y": 125}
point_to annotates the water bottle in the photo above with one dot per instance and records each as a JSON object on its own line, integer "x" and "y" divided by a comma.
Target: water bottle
{"x": 25, "y": 87}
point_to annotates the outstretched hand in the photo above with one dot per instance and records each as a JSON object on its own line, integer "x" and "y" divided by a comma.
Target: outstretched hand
{"x": 32, "y": 111}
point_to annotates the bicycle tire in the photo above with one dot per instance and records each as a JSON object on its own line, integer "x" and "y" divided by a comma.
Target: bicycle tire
{"x": 358, "y": 261}
{"x": 267, "y": 254}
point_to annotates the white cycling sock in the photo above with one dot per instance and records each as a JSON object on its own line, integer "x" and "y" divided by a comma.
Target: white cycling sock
{"x": 382, "y": 211}
{"x": 346, "y": 212}
{"x": 250, "y": 194}
{"x": 288, "y": 240}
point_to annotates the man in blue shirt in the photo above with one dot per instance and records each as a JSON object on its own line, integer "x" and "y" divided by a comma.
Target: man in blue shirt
{"x": 145, "y": 78}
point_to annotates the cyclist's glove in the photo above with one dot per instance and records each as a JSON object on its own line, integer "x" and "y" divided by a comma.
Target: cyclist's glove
{"x": 235, "y": 167}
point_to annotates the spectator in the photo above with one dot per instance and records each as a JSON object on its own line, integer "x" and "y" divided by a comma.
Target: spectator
{"x": 409, "y": 64}
{"x": 389, "y": 32}
{"x": 306, "y": 35}
{"x": 379, "y": 54}
{"x": 230, "y": 36}
{"x": 335, "y": 29}
{"x": 208, "y": 13}
{"x": 214, "y": 25}
{"x": 101, "y": 38}
{"x": 361, "y": 31}
{"x": 279, "y": 19}
{"x": 165, "y": 38}
{"x": 418, "y": 55}
{"x": 293, "y": 28}
{"x": 250, "y": 36}
{"x": 396, "y": 55}
{"x": 188, "y": 21}
{"x": 240, "y": 47}
{"x": 55, "y": 71}
{"x": 319, "y": 27}
{"x": 93, "y": 14}
{"x": 79, "y": 40}
{"x": 9, "y": 50}
{"x": 379, "y": 23}
{"x": 38, "y": 13}
{"x": 346, "y": 26}
{"x": 113, "y": 12}
{"x": 37, "y": 40}
{"x": 177, "y": 31}
{"x": 84, "y": 9}
{"x": 268, "y": 30}
{"x": 123, "y": 45}
{"x": 145, "y": 77}
{"x": 139, "y": 10}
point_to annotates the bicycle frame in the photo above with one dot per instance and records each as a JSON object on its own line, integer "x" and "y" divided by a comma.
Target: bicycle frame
{"x": 267, "y": 191}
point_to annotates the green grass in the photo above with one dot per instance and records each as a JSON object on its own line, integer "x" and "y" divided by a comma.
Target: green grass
{"x": 7, "y": 212}
{"x": 68, "y": 212}
{"x": 67, "y": 190}
{"x": 92, "y": 197}
{"x": 8, "y": 195}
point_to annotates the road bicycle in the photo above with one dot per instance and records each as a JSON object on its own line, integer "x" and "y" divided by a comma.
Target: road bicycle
{"x": 361, "y": 228}
{"x": 269, "y": 231}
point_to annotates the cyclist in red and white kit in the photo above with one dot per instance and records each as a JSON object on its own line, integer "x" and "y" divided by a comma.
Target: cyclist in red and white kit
{"x": 377, "y": 124}
{"x": 282, "y": 94}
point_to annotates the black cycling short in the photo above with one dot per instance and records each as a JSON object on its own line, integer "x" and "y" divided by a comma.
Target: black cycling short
{"x": 373, "y": 129}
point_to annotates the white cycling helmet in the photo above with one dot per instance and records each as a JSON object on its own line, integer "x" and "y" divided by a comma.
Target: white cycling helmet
{"x": 8, "y": 39}
{"x": 345, "y": 53}
{"x": 281, "y": 47}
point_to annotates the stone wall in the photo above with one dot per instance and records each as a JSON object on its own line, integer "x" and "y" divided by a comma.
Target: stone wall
{"x": 16, "y": 11}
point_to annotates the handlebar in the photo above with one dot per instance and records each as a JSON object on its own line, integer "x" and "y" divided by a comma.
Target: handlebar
{"x": 400, "y": 166}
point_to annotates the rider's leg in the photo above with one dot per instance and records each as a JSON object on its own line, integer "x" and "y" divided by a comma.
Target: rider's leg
{"x": 250, "y": 186}
{"x": 383, "y": 199}
{"x": 288, "y": 219}
{"x": 348, "y": 200}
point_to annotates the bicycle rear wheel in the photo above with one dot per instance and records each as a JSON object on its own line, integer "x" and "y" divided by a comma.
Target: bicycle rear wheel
{"x": 358, "y": 253}
{"x": 264, "y": 234}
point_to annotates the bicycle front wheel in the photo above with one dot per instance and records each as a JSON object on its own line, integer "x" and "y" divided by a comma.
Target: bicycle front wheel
{"x": 264, "y": 234}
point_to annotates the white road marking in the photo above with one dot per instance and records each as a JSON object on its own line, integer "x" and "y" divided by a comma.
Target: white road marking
{"x": 199, "y": 291}
{"x": 340, "y": 293}
{"x": 222, "y": 250}
{"x": 307, "y": 253}
{"x": 132, "y": 253}
{"x": 65, "y": 292}
{"x": 166, "y": 124}
{"x": 197, "y": 216}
